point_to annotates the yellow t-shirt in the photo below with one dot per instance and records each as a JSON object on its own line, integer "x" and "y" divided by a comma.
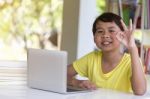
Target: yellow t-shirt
{"x": 118, "y": 79}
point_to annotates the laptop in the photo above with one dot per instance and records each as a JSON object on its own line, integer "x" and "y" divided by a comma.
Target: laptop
{"x": 47, "y": 70}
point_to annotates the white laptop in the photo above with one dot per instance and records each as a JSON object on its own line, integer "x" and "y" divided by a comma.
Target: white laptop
{"x": 47, "y": 70}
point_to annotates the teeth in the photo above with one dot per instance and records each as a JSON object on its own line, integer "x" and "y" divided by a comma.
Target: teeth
{"x": 106, "y": 43}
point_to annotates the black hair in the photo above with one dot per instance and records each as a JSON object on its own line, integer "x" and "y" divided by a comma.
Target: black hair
{"x": 108, "y": 17}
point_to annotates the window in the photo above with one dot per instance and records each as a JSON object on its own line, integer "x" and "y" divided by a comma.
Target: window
{"x": 28, "y": 24}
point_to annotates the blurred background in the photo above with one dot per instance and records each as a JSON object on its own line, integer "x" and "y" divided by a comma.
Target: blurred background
{"x": 30, "y": 24}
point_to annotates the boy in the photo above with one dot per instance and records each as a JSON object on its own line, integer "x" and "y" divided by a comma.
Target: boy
{"x": 109, "y": 67}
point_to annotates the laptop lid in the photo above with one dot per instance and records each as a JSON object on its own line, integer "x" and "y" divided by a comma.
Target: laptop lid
{"x": 47, "y": 70}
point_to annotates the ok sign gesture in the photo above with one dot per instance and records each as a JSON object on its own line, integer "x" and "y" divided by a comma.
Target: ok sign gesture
{"x": 126, "y": 37}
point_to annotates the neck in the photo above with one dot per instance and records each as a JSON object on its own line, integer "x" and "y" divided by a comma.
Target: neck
{"x": 111, "y": 57}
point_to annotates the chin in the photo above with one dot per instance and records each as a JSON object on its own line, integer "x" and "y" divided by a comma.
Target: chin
{"x": 106, "y": 50}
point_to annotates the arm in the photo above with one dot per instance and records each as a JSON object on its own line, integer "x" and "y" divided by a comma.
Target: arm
{"x": 138, "y": 80}
{"x": 70, "y": 74}
{"x": 86, "y": 84}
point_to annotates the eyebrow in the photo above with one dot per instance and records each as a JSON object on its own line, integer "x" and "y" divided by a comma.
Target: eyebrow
{"x": 112, "y": 27}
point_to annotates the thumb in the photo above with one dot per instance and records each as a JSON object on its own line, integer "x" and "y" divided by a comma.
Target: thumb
{"x": 119, "y": 36}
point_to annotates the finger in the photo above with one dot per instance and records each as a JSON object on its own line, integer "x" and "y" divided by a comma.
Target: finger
{"x": 84, "y": 84}
{"x": 93, "y": 86}
{"x": 119, "y": 36}
{"x": 130, "y": 25}
{"x": 88, "y": 85}
{"x": 81, "y": 85}
{"x": 123, "y": 25}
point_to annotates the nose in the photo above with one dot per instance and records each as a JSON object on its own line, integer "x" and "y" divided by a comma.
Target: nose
{"x": 106, "y": 35}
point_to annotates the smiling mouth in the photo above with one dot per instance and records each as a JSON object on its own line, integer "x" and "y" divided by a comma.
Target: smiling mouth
{"x": 106, "y": 43}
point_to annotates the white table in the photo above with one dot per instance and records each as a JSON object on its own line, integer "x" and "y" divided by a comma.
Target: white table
{"x": 13, "y": 86}
{"x": 27, "y": 93}
{"x": 21, "y": 91}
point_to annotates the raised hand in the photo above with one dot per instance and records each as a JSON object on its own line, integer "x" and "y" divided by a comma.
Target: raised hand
{"x": 126, "y": 37}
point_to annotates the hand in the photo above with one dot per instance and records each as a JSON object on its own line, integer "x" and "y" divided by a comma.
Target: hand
{"x": 86, "y": 84}
{"x": 126, "y": 37}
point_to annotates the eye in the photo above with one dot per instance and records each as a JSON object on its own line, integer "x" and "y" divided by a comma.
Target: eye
{"x": 99, "y": 31}
{"x": 111, "y": 31}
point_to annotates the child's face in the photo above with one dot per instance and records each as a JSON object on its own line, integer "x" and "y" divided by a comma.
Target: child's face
{"x": 105, "y": 36}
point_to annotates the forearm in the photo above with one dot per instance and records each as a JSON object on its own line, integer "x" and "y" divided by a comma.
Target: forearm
{"x": 70, "y": 74}
{"x": 138, "y": 77}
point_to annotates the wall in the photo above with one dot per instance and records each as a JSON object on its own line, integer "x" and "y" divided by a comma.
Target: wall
{"x": 77, "y": 38}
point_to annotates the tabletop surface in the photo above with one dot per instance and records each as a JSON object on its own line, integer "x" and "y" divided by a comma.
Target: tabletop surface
{"x": 21, "y": 91}
{"x": 13, "y": 92}
{"x": 13, "y": 86}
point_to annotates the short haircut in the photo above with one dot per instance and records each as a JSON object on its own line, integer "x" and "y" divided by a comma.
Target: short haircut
{"x": 108, "y": 17}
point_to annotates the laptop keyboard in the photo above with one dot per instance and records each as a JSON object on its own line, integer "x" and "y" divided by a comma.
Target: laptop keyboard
{"x": 72, "y": 89}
